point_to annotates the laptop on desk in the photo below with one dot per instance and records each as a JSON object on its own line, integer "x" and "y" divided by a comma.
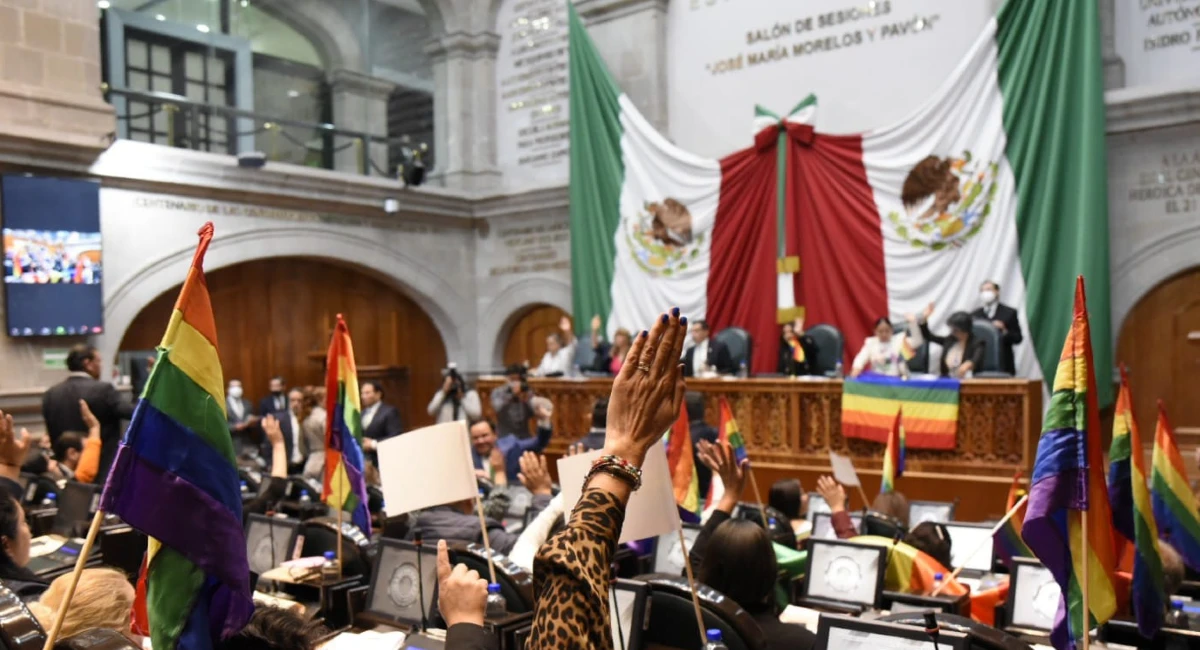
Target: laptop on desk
{"x": 843, "y": 576}
{"x": 972, "y": 548}
{"x": 1033, "y": 598}
{"x": 402, "y": 588}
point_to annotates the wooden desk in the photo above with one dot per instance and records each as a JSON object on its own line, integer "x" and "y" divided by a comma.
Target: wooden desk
{"x": 790, "y": 425}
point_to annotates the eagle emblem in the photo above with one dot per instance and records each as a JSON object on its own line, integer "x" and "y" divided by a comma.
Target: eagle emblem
{"x": 946, "y": 201}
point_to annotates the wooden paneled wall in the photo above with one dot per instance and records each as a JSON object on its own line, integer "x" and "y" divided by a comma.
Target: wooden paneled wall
{"x": 527, "y": 341}
{"x": 275, "y": 317}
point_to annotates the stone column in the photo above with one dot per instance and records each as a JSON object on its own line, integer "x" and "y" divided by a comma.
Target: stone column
{"x": 1114, "y": 67}
{"x": 464, "y": 110}
{"x": 360, "y": 103}
{"x": 632, "y": 37}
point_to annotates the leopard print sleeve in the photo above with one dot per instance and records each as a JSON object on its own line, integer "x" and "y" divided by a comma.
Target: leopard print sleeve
{"x": 571, "y": 577}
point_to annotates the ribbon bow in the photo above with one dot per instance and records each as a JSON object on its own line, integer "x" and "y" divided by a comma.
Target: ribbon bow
{"x": 796, "y": 125}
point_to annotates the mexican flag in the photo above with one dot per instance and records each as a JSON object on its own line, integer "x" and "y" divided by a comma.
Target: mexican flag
{"x": 1000, "y": 175}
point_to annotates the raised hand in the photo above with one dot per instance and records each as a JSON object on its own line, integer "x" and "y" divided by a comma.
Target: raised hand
{"x": 722, "y": 460}
{"x": 564, "y": 324}
{"x": 12, "y": 445}
{"x": 462, "y": 594}
{"x": 271, "y": 427}
{"x": 534, "y": 475}
{"x": 648, "y": 391}
{"x": 596, "y": 322}
{"x": 89, "y": 420}
{"x": 928, "y": 311}
{"x": 833, "y": 493}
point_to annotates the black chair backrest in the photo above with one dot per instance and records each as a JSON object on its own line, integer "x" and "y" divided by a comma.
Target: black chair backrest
{"x": 986, "y": 332}
{"x": 831, "y": 347}
{"x": 516, "y": 584}
{"x": 874, "y": 523}
{"x": 673, "y": 617}
{"x": 740, "y": 344}
{"x": 19, "y": 630}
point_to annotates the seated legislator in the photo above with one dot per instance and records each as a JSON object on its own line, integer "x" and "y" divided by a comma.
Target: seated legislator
{"x": 789, "y": 498}
{"x": 79, "y": 458}
{"x": 609, "y": 357}
{"x": 15, "y": 540}
{"x": 886, "y": 352}
{"x": 559, "y": 359}
{"x": 103, "y": 600}
{"x": 797, "y": 350}
{"x": 572, "y": 572}
{"x": 272, "y": 628}
{"x": 276, "y": 486}
{"x": 460, "y": 521}
{"x": 890, "y": 504}
{"x": 735, "y": 556}
{"x": 462, "y": 602}
{"x": 962, "y": 352}
{"x": 708, "y": 357}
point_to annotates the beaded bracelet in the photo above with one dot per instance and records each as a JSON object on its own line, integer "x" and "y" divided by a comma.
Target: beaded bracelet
{"x": 618, "y": 468}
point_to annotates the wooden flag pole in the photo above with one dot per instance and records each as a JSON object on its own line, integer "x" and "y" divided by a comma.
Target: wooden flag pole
{"x": 80, "y": 562}
{"x": 863, "y": 494}
{"x": 1087, "y": 610}
{"x": 983, "y": 543}
{"x": 341, "y": 508}
{"x": 762, "y": 510}
{"x": 487, "y": 543}
{"x": 687, "y": 565}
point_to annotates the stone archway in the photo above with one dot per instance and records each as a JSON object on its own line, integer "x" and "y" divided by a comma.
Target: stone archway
{"x": 497, "y": 320}
{"x": 335, "y": 39}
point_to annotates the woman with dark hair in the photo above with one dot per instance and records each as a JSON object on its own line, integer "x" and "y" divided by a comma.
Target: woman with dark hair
{"x": 962, "y": 353}
{"x": 797, "y": 350}
{"x": 609, "y": 357}
{"x": 789, "y": 498}
{"x": 887, "y": 353}
{"x": 735, "y": 556}
{"x": 14, "y": 551}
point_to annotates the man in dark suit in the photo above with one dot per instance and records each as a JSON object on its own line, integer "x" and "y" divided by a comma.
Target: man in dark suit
{"x": 276, "y": 401}
{"x": 239, "y": 414}
{"x": 1004, "y": 318}
{"x": 380, "y": 421}
{"x": 700, "y": 430}
{"x": 60, "y": 404}
{"x": 706, "y": 355}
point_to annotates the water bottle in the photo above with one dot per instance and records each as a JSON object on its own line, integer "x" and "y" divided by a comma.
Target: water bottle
{"x": 937, "y": 583}
{"x": 838, "y": 370}
{"x": 50, "y": 501}
{"x": 742, "y": 372}
{"x": 245, "y": 489}
{"x": 714, "y": 641}
{"x": 497, "y": 607}
{"x": 305, "y": 499}
{"x": 1176, "y": 617}
{"x": 330, "y": 571}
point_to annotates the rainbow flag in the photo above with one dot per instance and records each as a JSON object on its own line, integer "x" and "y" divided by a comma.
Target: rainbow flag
{"x": 729, "y": 432}
{"x": 893, "y": 457}
{"x": 175, "y": 479}
{"x": 1068, "y": 479}
{"x": 1007, "y": 539}
{"x": 909, "y": 570}
{"x": 797, "y": 350}
{"x": 870, "y": 403}
{"x": 684, "y": 480}
{"x": 1120, "y": 485}
{"x": 907, "y": 351}
{"x": 1174, "y": 503}
{"x": 344, "y": 485}
{"x": 1148, "y": 593}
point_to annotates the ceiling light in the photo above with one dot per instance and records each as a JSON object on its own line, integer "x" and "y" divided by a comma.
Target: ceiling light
{"x": 104, "y": 4}
{"x": 293, "y": 93}
{"x": 159, "y": 17}
{"x": 202, "y": 28}
{"x": 245, "y": 3}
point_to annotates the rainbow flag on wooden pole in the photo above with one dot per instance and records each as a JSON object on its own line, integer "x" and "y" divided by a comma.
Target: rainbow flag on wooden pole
{"x": 1120, "y": 484}
{"x": 1008, "y": 537}
{"x": 893, "y": 456}
{"x": 1068, "y": 525}
{"x": 684, "y": 479}
{"x": 175, "y": 479}
{"x": 1174, "y": 505}
{"x": 1148, "y": 592}
{"x": 344, "y": 487}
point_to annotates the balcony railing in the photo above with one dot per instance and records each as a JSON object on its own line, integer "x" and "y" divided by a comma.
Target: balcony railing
{"x": 176, "y": 121}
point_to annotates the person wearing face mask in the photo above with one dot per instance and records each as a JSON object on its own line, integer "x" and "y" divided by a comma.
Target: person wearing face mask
{"x": 239, "y": 413}
{"x": 962, "y": 352}
{"x": 512, "y": 404}
{"x": 1004, "y": 318}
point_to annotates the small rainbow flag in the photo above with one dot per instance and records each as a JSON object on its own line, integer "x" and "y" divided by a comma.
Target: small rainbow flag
{"x": 1174, "y": 504}
{"x": 906, "y": 349}
{"x": 684, "y": 479}
{"x": 1120, "y": 485}
{"x": 1148, "y": 593}
{"x": 1068, "y": 479}
{"x": 1008, "y": 540}
{"x": 175, "y": 478}
{"x": 729, "y": 432}
{"x": 910, "y": 570}
{"x": 344, "y": 486}
{"x": 870, "y": 402}
{"x": 797, "y": 350}
{"x": 893, "y": 456}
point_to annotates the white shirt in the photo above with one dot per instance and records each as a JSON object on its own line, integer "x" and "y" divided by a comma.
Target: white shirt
{"x": 235, "y": 407}
{"x": 560, "y": 361}
{"x": 369, "y": 414}
{"x": 297, "y": 457}
{"x": 700, "y": 358}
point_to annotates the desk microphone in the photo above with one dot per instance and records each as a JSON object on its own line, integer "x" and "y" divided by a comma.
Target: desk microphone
{"x": 932, "y": 628}
{"x": 895, "y": 541}
{"x": 417, "y": 541}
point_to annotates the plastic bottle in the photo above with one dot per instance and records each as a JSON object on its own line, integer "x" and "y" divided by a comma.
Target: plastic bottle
{"x": 1176, "y": 617}
{"x": 496, "y": 605}
{"x": 330, "y": 570}
{"x": 50, "y": 500}
{"x": 714, "y": 641}
{"x": 245, "y": 488}
{"x": 937, "y": 582}
{"x": 305, "y": 499}
{"x": 742, "y": 372}
{"x": 838, "y": 371}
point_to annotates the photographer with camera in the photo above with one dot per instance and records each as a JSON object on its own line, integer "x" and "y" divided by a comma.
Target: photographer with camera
{"x": 512, "y": 404}
{"x": 455, "y": 401}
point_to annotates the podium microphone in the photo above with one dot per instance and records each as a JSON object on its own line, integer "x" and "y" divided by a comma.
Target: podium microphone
{"x": 932, "y": 628}
{"x": 421, "y": 580}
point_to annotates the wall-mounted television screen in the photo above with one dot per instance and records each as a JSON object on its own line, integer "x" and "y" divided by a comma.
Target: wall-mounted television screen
{"x": 52, "y": 256}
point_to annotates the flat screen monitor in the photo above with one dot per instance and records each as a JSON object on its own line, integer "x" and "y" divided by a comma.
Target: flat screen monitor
{"x": 52, "y": 256}
{"x": 1033, "y": 596}
{"x": 399, "y": 582}
{"x": 816, "y": 503}
{"x": 823, "y": 525}
{"x": 845, "y": 633}
{"x": 269, "y": 541}
{"x": 922, "y": 511}
{"x": 845, "y": 572}
{"x": 971, "y": 546}
{"x": 628, "y": 612}
{"x": 668, "y": 557}
{"x": 76, "y": 505}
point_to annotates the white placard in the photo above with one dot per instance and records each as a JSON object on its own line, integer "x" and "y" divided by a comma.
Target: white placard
{"x": 1158, "y": 40}
{"x": 843, "y": 469}
{"x": 651, "y": 510}
{"x": 427, "y": 467}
